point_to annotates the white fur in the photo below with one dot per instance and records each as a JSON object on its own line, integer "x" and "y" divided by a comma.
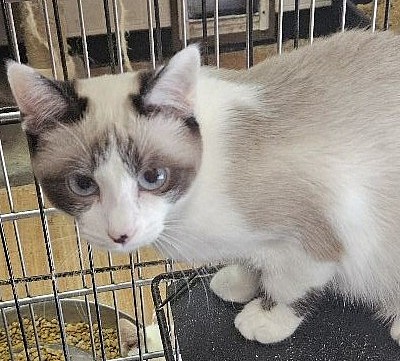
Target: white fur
{"x": 355, "y": 223}
{"x": 395, "y": 330}
{"x": 128, "y": 333}
{"x": 153, "y": 342}
{"x": 235, "y": 284}
{"x": 117, "y": 211}
{"x": 263, "y": 326}
{"x": 289, "y": 272}
{"x": 101, "y": 90}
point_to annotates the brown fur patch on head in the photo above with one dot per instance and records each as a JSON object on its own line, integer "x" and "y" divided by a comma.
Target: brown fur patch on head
{"x": 142, "y": 143}
{"x": 64, "y": 151}
{"x": 162, "y": 142}
{"x": 146, "y": 80}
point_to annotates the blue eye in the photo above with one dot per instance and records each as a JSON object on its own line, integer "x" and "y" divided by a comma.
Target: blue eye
{"x": 82, "y": 185}
{"x": 152, "y": 178}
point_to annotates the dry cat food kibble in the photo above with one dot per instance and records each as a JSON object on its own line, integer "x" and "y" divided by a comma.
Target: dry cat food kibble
{"x": 48, "y": 333}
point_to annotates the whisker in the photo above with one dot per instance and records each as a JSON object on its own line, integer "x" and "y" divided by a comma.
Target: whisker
{"x": 178, "y": 236}
{"x": 165, "y": 250}
{"x": 175, "y": 242}
{"x": 198, "y": 274}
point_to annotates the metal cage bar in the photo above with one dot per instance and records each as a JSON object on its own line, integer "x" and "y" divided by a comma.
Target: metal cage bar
{"x": 6, "y": 24}
{"x": 13, "y": 286}
{"x": 50, "y": 42}
{"x": 387, "y": 15}
{"x": 216, "y": 34}
{"x": 50, "y": 259}
{"x": 96, "y": 303}
{"x": 9, "y": 20}
{"x": 280, "y": 27}
{"x": 296, "y": 24}
{"x": 118, "y": 36}
{"x": 19, "y": 246}
{"x": 115, "y": 299}
{"x": 135, "y": 305}
{"x": 6, "y": 330}
{"x": 84, "y": 285}
{"x": 205, "y": 30}
{"x": 149, "y": 4}
{"x": 374, "y": 15}
{"x": 61, "y": 44}
{"x": 142, "y": 311}
{"x": 249, "y": 33}
{"x": 312, "y": 21}
{"x": 10, "y": 271}
{"x": 110, "y": 41}
{"x": 184, "y": 22}
{"x": 343, "y": 20}
{"x": 84, "y": 38}
{"x": 158, "y": 30}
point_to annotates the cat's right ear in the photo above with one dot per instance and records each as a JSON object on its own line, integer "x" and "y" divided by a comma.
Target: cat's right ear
{"x": 43, "y": 102}
{"x": 174, "y": 86}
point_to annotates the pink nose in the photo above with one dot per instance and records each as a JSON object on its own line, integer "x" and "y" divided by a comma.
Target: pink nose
{"x": 121, "y": 239}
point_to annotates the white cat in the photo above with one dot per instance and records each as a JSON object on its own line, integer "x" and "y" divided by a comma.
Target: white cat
{"x": 290, "y": 169}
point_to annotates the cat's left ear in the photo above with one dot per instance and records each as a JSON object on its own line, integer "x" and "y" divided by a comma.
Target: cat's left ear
{"x": 43, "y": 102}
{"x": 175, "y": 84}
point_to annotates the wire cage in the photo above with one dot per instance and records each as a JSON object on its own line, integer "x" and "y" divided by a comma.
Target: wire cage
{"x": 59, "y": 298}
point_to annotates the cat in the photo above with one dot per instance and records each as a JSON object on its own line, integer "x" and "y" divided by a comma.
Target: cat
{"x": 130, "y": 343}
{"x": 289, "y": 170}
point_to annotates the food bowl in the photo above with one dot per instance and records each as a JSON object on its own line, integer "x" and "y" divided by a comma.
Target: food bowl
{"x": 78, "y": 335}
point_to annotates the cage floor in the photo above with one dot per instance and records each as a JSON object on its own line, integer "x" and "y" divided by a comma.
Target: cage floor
{"x": 335, "y": 332}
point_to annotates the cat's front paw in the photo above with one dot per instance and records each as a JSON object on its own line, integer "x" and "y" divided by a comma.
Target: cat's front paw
{"x": 266, "y": 326}
{"x": 395, "y": 330}
{"x": 235, "y": 284}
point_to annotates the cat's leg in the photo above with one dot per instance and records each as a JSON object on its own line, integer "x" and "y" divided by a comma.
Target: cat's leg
{"x": 288, "y": 283}
{"x": 236, "y": 283}
{"x": 395, "y": 330}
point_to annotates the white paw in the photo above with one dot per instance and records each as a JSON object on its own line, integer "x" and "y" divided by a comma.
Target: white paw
{"x": 263, "y": 326}
{"x": 235, "y": 284}
{"x": 395, "y": 330}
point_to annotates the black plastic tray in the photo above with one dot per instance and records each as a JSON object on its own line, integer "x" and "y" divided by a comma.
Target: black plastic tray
{"x": 205, "y": 330}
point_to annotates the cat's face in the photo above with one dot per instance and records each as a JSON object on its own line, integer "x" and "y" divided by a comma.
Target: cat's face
{"x": 116, "y": 152}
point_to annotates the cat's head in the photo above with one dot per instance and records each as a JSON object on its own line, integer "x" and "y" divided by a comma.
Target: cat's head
{"x": 117, "y": 152}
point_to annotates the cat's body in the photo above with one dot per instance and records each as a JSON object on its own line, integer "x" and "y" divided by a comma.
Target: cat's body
{"x": 292, "y": 168}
